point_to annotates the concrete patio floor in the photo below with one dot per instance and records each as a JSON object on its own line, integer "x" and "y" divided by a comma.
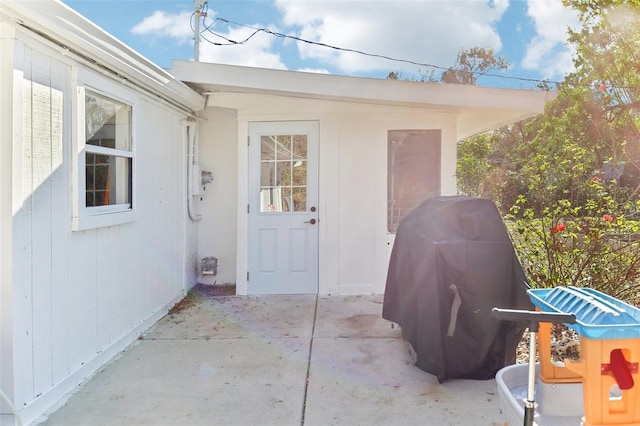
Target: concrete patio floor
{"x": 274, "y": 360}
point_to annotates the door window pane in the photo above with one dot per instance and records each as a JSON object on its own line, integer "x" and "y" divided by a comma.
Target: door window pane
{"x": 300, "y": 146}
{"x": 283, "y": 147}
{"x": 287, "y": 202}
{"x": 267, "y": 174}
{"x": 267, "y": 148}
{"x": 283, "y": 173}
{"x": 300, "y": 173}
{"x": 300, "y": 199}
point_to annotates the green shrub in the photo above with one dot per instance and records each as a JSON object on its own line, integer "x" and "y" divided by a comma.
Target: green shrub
{"x": 594, "y": 245}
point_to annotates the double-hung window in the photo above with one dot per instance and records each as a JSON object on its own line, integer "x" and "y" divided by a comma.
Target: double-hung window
{"x": 105, "y": 161}
{"x": 108, "y": 154}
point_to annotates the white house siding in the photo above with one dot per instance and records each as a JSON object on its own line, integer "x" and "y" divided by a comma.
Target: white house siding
{"x": 354, "y": 242}
{"x": 353, "y": 179}
{"x": 6, "y": 219}
{"x": 81, "y": 297}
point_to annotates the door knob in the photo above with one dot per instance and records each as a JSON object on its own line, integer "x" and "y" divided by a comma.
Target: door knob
{"x": 312, "y": 221}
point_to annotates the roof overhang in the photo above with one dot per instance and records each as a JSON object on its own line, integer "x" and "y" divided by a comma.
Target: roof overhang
{"x": 477, "y": 109}
{"x": 77, "y": 35}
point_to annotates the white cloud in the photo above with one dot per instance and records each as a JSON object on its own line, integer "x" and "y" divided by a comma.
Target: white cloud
{"x": 258, "y": 52}
{"x": 548, "y": 52}
{"x": 430, "y": 32}
{"x": 423, "y": 31}
{"x": 315, "y": 70}
{"x": 163, "y": 24}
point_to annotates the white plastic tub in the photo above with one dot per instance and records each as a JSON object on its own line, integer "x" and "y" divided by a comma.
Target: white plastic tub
{"x": 556, "y": 403}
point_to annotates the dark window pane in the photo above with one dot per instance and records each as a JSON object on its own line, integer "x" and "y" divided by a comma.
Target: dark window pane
{"x": 300, "y": 199}
{"x": 90, "y": 178}
{"x": 283, "y": 149}
{"x": 101, "y": 159}
{"x": 286, "y": 202}
{"x": 108, "y": 181}
{"x": 413, "y": 171}
{"x": 101, "y": 177}
{"x": 283, "y": 173}
{"x": 267, "y": 173}
{"x": 300, "y": 147}
{"x": 300, "y": 173}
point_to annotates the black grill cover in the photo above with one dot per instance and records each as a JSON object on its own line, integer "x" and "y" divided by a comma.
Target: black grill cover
{"x": 452, "y": 263}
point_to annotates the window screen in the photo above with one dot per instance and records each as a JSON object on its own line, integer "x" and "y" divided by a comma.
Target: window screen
{"x": 413, "y": 165}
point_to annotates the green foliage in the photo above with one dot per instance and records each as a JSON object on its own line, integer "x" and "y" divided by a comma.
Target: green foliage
{"x": 594, "y": 245}
{"x": 607, "y": 59}
{"x": 591, "y": 127}
{"x": 472, "y": 64}
{"x": 569, "y": 227}
{"x": 564, "y": 150}
{"x": 473, "y": 164}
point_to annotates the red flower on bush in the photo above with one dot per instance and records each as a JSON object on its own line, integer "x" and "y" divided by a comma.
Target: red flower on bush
{"x": 607, "y": 218}
{"x": 558, "y": 228}
{"x": 595, "y": 179}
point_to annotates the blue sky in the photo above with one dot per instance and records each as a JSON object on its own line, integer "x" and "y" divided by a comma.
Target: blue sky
{"x": 530, "y": 33}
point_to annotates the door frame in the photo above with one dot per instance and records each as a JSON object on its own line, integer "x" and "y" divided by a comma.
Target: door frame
{"x": 243, "y": 200}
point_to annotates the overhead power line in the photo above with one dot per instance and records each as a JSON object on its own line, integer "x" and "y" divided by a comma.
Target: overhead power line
{"x": 208, "y": 28}
{"x": 229, "y": 42}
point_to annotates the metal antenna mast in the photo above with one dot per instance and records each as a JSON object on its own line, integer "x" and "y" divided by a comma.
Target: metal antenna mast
{"x": 198, "y": 4}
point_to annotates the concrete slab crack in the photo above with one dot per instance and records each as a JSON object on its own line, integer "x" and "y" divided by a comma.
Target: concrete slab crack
{"x": 306, "y": 384}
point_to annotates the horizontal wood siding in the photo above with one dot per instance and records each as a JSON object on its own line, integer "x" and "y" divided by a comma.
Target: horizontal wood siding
{"x": 77, "y": 293}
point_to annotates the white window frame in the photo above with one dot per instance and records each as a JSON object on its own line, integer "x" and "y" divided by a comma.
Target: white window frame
{"x": 84, "y": 217}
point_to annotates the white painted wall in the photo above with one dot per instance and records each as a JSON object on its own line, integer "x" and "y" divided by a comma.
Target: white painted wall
{"x": 354, "y": 174}
{"x": 218, "y": 207}
{"x": 78, "y": 298}
{"x": 354, "y": 243}
{"x": 7, "y": 35}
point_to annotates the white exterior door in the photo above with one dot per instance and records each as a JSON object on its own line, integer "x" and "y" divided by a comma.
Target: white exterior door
{"x": 283, "y": 208}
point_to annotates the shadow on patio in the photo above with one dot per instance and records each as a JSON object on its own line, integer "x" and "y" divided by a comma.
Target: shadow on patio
{"x": 274, "y": 360}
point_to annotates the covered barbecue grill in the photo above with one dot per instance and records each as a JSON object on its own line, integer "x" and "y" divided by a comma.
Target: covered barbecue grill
{"x": 452, "y": 262}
